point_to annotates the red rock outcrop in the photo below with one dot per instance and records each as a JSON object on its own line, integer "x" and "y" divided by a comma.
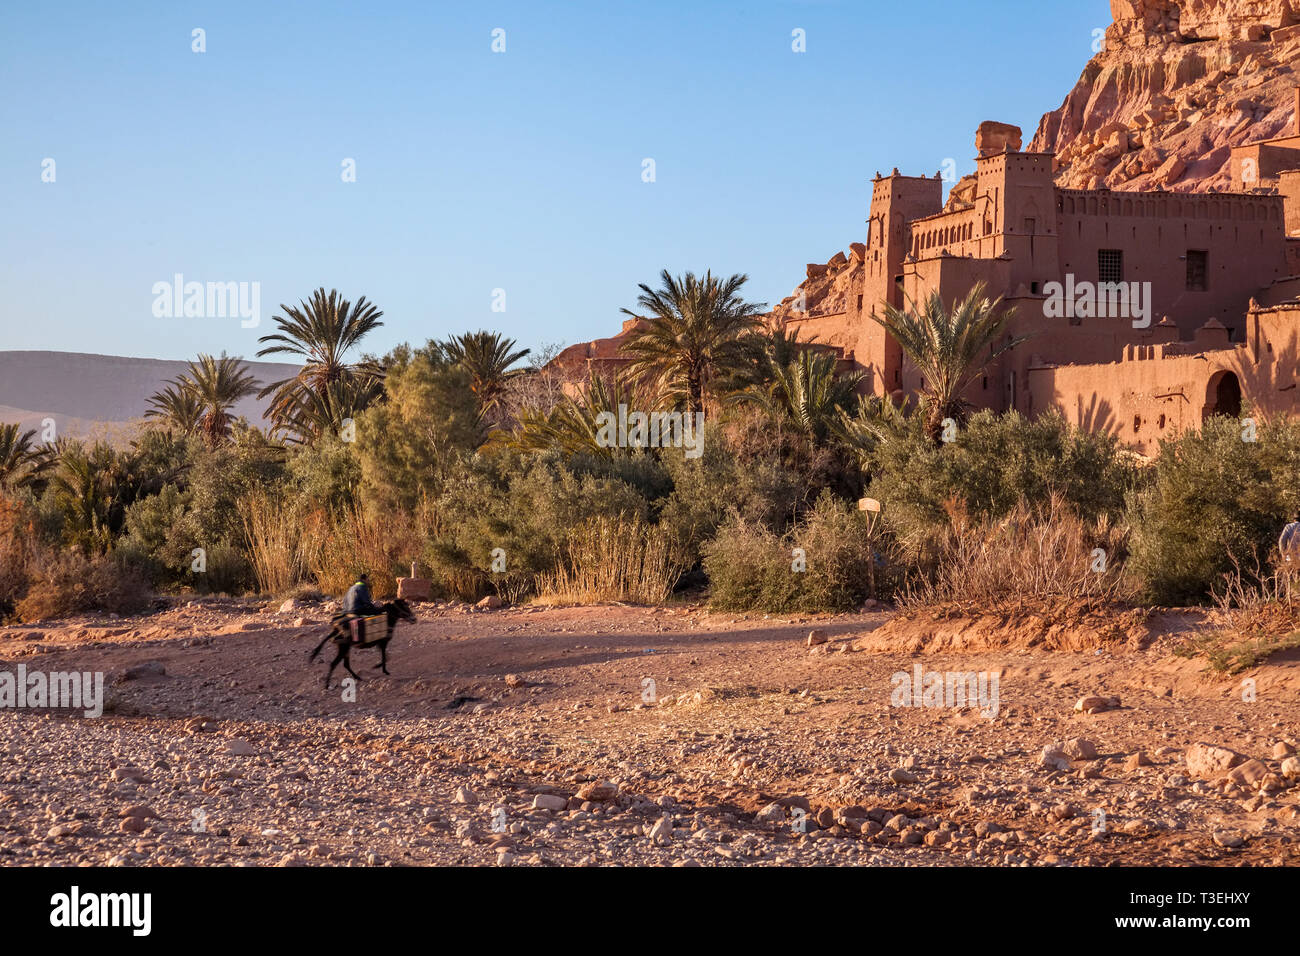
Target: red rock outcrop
{"x": 1176, "y": 86}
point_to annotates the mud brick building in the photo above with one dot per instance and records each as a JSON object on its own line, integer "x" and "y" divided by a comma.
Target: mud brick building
{"x": 1211, "y": 324}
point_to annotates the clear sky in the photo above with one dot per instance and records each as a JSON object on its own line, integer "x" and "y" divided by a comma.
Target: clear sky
{"x": 475, "y": 171}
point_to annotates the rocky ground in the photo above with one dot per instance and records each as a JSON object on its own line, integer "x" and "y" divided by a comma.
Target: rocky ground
{"x": 533, "y": 736}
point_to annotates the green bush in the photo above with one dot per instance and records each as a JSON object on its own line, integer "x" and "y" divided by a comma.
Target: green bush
{"x": 1214, "y": 499}
{"x": 752, "y": 568}
{"x": 409, "y": 443}
{"x": 997, "y": 462}
{"x": 524, "y": 504}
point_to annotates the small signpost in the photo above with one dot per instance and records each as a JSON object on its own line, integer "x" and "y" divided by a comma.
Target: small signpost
{"x": 870, "y": 507}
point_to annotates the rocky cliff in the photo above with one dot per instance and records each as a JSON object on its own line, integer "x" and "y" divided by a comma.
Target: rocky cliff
{"x": 1174, "y": 88}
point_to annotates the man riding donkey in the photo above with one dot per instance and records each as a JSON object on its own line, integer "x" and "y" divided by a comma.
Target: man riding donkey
{"x": 358, "y": 605}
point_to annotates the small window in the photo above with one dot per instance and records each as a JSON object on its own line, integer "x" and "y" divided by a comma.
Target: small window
{"x": 1110, "y": 265}
{"x": 1198, "y": 262}
{"x": 859, "y": 303}
{"x": 1137, "y": 424}
{"x": 1031, "y": 227}
{"x": 1162, "y": 422}
{"x": 1033, "y": 288}
{"x": 986, "y": 383}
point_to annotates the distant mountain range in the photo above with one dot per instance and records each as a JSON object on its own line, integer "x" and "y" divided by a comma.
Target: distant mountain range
{"x": 101, "y": 396}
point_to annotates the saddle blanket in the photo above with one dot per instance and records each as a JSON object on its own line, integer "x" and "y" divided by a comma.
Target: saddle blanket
{"x": 359, "y": 625}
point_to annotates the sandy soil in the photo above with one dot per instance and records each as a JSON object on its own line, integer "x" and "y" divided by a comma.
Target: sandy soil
{"x": 750, "y": 748}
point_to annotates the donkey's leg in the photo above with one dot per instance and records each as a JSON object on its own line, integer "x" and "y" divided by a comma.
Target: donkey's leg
{"x": 316, "y": 653}
{"x": 333, "y": 664}
{"x": 383, "y": 655}
{"x": 347, "y": 663}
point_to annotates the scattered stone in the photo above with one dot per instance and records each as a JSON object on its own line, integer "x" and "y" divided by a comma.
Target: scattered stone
{"x": 1136, "y": 760}
{"x": 1231, "y": 841}
{"x": 145, "y": 670}
{"x": 1096, "y": 705}
{"x": 139, "y": 810}
{"x": 239, "y": 747}
{"x": 515, "y": 681}
{"x": 490, "y": 603}
{"x": 899, "y": 775}
{"x": 1207, "y": 760}
{"x": 549, "y": 801}
{"x": 1079, "y": 748}
{"x": 598, "y": 791}
{"x": 816, "y": 637}
{"x": 1249, "y": 773}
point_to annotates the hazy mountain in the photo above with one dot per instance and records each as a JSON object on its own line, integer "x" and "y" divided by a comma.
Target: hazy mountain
{"x": 101, "y": 395}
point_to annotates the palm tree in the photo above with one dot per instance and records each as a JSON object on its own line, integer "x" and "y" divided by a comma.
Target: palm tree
{"x": 322, "y": 333}
{"x": 950, "y": 347}
{"x": 487, "y": 356}
{"x": 21, "y": 461}
{"x": 875, "y": 420}
{"x": 216, "y": 384}
{"x": 84, "y": 489}
{"x": 808, "y": 392}
{"x": 766, "y": 352}
{"x": 176, "y": 407}
{"x": 572, "y": 425}
{"x": 691, "y": 335}
{"x": 315, "y": 413}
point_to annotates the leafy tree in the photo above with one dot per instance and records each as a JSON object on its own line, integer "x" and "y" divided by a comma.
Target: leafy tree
{"x": 408, "y": 442}
{"x": 572, "y": 426}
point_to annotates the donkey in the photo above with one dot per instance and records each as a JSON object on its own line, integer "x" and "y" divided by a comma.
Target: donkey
{"x": 341, "y": 635}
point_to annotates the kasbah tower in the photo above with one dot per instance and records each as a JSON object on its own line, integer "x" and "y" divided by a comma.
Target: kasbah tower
{"x": 1187, "y": 206}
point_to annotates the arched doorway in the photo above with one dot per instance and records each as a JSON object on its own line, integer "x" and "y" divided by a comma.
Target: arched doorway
{"x": 1223, "y": 395}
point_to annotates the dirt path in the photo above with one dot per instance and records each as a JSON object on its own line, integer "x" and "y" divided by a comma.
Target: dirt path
{"x": 235, "y": 754}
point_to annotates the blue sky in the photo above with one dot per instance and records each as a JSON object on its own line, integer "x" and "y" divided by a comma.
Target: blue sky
{"x": 475, "y": 170}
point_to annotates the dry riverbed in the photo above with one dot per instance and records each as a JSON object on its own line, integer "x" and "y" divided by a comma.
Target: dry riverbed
{"x": 625, "y": 735}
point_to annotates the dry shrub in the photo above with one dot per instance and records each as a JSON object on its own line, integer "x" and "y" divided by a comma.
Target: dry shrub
{"x": 71, "y": 583}
{"x": 1257, "y": 614}
{"x": 338, "y": 546}
{"x": 616, "y": 559}
{"x": 1028, "y": 556}
{"x": 16, "y": 554}
{"x": 273, "y": 538}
